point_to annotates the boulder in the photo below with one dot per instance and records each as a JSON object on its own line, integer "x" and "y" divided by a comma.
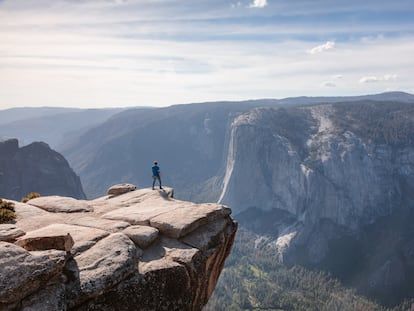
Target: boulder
{"x": 10, "y": 232}
{"x": 142, "y": 236}
{"x": 56, "y": 204}
{"x": 121, "y": 189}
{"x": 23, "y": 273}
{"x": 63, "y": 242}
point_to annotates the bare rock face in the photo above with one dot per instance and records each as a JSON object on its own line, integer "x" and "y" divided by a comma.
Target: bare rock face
{"x": 331, "y": 184}
{"x": 35, "y": 167}
{"x": 23, "y": 273}
{"x": 140, "y": 250}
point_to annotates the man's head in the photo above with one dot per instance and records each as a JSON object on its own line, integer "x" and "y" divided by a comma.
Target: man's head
{"x": 155, "y": 163}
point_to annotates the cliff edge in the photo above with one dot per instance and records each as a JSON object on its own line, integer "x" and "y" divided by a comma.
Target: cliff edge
{"x": 138, "y": 250}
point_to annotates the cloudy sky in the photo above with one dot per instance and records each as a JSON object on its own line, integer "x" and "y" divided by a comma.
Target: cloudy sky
{"x": 109, "y": 53}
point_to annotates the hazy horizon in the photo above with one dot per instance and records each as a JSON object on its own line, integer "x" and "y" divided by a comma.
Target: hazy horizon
{"x": 193, "y": 103}
{"x": 120, "y": 53}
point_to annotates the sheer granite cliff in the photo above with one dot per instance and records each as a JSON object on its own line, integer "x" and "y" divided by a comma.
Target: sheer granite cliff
{"x": 330, "y": 186}
{"x": 35, "y": 168}
{"x": 346, "y": 163}
{"x": 139, "y": 250}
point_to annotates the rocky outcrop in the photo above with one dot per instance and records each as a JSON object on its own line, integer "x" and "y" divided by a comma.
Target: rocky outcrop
{"x": 35, "y": 168}
{"x": 139, "y": 250}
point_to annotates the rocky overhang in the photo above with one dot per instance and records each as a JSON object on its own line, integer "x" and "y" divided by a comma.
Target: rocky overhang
{"x": 140, "y": 250}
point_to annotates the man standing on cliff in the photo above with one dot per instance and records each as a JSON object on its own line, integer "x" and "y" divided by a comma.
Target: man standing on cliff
{"x": 156, "y": 175}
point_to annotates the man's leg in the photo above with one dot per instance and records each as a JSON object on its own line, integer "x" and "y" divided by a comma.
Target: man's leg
{"x": 153, "y": 182}
{"x": 159, "y": 179}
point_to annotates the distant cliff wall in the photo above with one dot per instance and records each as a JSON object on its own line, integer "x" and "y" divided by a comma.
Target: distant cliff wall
{"x": 35, "y": 168}
{"x": 322, "y": 162}
{"x": 330, "y": 187}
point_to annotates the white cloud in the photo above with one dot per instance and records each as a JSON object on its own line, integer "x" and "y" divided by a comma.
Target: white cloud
{"x": 337, "y": 77}
{"x": 369, "y": 79}
{"x": 329, "y": 45}
{"x": 258, "y": 4}
{"x": 390, "y": 77}
{"x": 328, "y": 84}
{"x": 375, "y": 79}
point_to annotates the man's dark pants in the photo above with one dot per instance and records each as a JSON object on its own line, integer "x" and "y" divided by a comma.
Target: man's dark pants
{"x": 155, "y": 177}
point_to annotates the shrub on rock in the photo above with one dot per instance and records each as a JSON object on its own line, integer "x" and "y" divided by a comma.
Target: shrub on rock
{"x": 7, "y": 213}
{"x": 29, "y": 196}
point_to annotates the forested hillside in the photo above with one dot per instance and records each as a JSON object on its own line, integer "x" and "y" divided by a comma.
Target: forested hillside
{"x": 254, "y": 280}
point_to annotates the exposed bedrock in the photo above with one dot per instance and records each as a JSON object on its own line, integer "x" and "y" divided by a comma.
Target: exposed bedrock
{"x": 306, "y": 162}
{"x": 140, "y": 250}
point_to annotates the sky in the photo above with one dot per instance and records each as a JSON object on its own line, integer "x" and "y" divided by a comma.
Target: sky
{"x": 112, "y": 53}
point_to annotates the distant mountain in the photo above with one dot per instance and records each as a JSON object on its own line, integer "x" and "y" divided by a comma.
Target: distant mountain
{"x": 60, "y": 127}
{"x": 54, "y": 126}
{"x": 24, "y": 113}
{"x": 401, "y": 97}
{"x": 190, "y": 141}
{"x": 35, "y": 168}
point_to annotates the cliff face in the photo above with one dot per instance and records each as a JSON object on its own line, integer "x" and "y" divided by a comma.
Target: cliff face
{"x": 330, "y": 186}
{"x": 141, "y": 250}
{"x": 35, "y": 168}
{"x": 307, "y": 162}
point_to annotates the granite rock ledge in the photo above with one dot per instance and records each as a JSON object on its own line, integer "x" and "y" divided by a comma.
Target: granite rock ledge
{"x": 140, "y": 250}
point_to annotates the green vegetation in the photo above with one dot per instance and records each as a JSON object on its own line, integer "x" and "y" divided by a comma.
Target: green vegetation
{"x": 382, "y": 123}
{"x": 7, "y": 213}
{"x": 29, "y": 196}
{"x": 254, "y": 280}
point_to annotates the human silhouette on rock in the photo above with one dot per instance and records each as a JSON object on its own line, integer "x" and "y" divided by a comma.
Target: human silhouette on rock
{"x": 156, "y": 175}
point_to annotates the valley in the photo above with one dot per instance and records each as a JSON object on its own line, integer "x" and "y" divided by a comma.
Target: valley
{"x": 321, "y": 188}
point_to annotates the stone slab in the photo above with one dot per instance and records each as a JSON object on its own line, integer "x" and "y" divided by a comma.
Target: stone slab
{"x": 57, "y": 204}
{"x": 183, "y": 220}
